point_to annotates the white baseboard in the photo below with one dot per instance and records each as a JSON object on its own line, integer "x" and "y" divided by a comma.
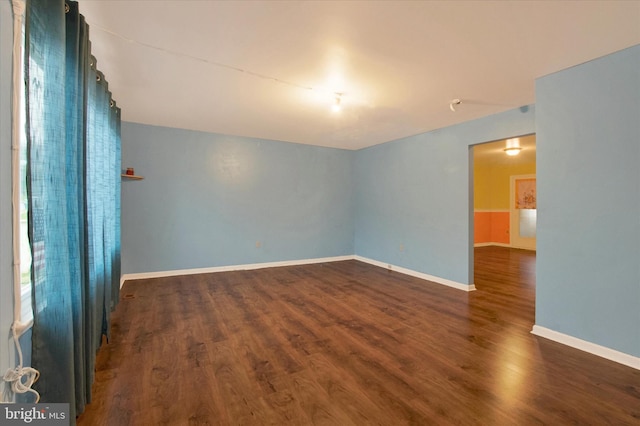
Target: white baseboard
{"x": 592, "y": 348}
{"x": 502, "y": 245}
{"x": 229, "y": 268}
{"x": 417, "y": 274}
{"x": 491, "y": 244}
{"x": 246, "y": 267}
{"x": 523, "y": 248}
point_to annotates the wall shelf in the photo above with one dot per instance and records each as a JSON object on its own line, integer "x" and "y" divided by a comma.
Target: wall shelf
{"x": 131, "y": 177}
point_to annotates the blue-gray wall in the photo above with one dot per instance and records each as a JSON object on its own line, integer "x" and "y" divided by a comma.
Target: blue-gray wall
{"x": 413, "y": 199}
{"x": 207, "y": 199}
{"x": 6, "y": 253}
{"x": 588, "y": 148}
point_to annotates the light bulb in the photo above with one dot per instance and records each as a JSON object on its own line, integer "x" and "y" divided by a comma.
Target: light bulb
{"x": 513, "y": 147}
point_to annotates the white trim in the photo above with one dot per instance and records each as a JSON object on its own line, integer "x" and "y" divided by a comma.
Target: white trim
{"x": 229, "y": 268}
{"x": 417, "y": 274}
{"x": 523, "y": 248}
{"x": 491, "y": 244}
{"x": 22, "y": 327}
{"x": 592, "y": 348}
{"x": 18, "y": 75}
{"x": 491, "y": 211}
{"x": 246, "y": 267}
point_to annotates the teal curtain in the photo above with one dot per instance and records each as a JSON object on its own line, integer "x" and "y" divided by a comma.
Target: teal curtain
{"x": 73, "y": 181}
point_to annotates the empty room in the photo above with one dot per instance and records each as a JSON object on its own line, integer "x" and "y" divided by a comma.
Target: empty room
{"x": 320, "y": 212}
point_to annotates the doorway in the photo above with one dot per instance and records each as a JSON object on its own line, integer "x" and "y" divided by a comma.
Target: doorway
{"x": 496, "y": 177}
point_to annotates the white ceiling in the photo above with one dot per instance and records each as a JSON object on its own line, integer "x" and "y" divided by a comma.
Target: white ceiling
{"x": 270, "y": 69}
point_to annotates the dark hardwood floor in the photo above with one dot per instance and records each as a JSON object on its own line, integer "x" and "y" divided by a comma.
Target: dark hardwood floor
{"x": 347, "y": 343}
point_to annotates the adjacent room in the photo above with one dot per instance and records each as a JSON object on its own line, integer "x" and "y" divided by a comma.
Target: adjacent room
{"x": 300, "y": 212}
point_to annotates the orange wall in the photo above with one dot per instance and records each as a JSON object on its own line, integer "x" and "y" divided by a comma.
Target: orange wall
{"x": 481, "y": 227}
{"x": 491, "y": 178}
{"x": 491, "y": 227}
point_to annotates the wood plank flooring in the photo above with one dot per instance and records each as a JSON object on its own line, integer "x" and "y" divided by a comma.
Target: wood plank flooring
{"x": 347, "y": 343}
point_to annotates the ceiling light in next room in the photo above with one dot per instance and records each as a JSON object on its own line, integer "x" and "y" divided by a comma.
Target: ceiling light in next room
{"x": 513, "y": 147}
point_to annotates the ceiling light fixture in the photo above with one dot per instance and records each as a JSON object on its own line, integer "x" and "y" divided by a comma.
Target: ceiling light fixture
{"x": 513, "y": 147}
{"x": 337, "y": 106}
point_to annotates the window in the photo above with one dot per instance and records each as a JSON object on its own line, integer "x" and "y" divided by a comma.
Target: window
{"x": 26, "y": 311}
{"x": 527, "y": 223}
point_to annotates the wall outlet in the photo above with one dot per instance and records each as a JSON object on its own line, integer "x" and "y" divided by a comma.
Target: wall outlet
{"x": 401, "y": 247}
